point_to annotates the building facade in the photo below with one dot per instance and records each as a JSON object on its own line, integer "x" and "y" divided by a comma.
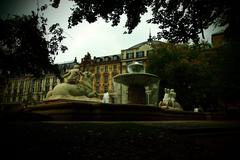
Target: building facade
{"x": 28, "y": 89}
{"x": 104, "y": 69}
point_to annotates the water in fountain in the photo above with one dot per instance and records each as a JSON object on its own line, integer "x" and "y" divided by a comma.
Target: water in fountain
{"x": 137, "y": 81}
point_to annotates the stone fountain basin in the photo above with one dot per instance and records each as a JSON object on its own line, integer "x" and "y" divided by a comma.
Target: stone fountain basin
{"x": 141, "y": 79}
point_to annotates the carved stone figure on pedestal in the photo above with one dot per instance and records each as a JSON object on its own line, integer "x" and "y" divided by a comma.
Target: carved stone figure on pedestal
{"x": 166, "y": 97}
{"x": 169, "y": 100}
{"x": 76, "y": 86}
{"x": 105, "y": 98}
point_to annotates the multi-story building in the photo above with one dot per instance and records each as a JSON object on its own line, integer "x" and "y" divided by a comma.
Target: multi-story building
{"x": 104, "y": 69}
{"x": 28, "y": 89}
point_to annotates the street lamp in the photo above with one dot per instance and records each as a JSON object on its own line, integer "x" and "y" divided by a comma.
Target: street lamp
{"x": 148, "y": 92}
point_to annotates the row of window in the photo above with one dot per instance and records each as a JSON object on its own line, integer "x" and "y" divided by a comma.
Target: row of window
{"x": 106, "y": 89}
{"x": 107, "y": 58}
{"x": 106, "y": 68}
{"x": 129, "y": 55}
{"x": 139, "y": 54}
{"x": 105, "y": 79}
{"x": 30, "y": 87}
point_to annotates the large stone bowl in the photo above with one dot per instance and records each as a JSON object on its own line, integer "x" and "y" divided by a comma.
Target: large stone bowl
{"x": 136, "y": 83}
{"x": 140, "y": 79}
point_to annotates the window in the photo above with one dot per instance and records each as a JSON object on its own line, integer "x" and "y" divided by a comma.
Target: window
{"x": 97, "y": 69}
{"x": 21, "y": 87}
{"x": 105, "y": 88}
{"x": 106, "y": 79}
{"x": 115, "y": 58}
{"x": 47, "y": 84}
{"x": 97, "y": 88}
{"x": 106, "y": 69}
{"x": 9, "y": 88}
{"x": 40, "y": 85}
{"x": 106, "y": 59}
{"x": 130, "y": 55}
{"x": 98, "y": 60}
{"x": 115, "y": 68}
{"x": 26, "y": 85}
{"x": 15, "y": 89}
{"x": 32, "y": 85}
{"x": 97, "y": 79}
{"x": 102, "y": 69}
{"x": 15, "y": 84}
{"x": 140, "y": 54}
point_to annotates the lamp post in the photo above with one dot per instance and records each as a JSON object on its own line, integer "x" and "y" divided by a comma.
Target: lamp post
{"x": 148, "y": 92}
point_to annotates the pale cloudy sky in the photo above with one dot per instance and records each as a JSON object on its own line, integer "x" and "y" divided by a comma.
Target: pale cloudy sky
{"x": 99, "y": 38}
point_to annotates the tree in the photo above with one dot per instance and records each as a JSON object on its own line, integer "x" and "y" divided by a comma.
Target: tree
{"x": 24, "y": 47}
{"x": 225, "y": 68}
{"x": 178, "y": 20}
{"x": 181, "y": 20}
{"x": 186, "y": 69}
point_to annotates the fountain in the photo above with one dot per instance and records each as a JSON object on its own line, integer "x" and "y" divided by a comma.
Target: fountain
{"x": 136, "y": 80}
{"x": 74, "y": 100}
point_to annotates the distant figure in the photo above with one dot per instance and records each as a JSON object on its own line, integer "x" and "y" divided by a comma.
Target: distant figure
{"x": 105, "y": 97}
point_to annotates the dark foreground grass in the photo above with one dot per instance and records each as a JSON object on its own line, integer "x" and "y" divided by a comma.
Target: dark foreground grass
{"x": 117, "y": 141}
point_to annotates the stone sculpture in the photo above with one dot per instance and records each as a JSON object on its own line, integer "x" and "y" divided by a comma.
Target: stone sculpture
{"x": 105, "y": 98}
{"x": 166, "y": 97}
{"x": 77, "y": 86}
{"x": 169, "y": 100}
{"x": 72, "y": 76}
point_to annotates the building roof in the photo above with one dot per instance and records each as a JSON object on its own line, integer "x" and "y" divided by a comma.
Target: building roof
{"x": 109, "y": 56}
{"x": 143, "y": 43}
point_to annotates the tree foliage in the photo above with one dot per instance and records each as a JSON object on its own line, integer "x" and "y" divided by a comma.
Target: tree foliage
{"x": 181, "y": 68}
{"x": 225, "y": 67}
{"x": 201, "y": 77}
{"x": 24, "y": 47}
{"x": 178, "y": 20}
{"x": 181, "y": 20}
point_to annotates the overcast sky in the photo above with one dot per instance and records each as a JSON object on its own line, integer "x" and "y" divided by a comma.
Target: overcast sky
{"x": 99, "y": 38}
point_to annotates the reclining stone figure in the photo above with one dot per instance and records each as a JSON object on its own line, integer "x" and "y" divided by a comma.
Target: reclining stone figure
{"x": 77, "y": 86}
